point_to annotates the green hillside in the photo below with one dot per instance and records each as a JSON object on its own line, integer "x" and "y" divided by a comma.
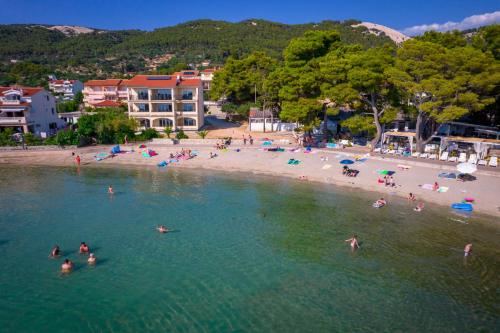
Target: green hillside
{"x": 104, "y": 53}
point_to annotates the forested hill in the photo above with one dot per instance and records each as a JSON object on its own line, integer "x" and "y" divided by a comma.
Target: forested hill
{"x": 100, "y": 53}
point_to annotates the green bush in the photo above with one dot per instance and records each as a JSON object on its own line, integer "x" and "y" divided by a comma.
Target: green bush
{"x": 32, "y": 140}
{"x": 181, "y": 135}
{"x": 148, "y": 134}
{"x": 6, "y": 137}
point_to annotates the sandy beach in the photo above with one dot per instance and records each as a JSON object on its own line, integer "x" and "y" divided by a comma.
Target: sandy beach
{"x": 317, "y": 166}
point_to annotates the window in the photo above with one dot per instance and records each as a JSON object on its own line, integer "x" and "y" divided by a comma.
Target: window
{"x": 142, "y": 94}
{"x": 143, "y": 107}
{"x": 187, "y": 94}
{"x": 189, "y": 122}
{"x": 164, "y": 122}
{"x": 188, "y": 107}
{"x": 164, "y": 107}
{"x": 52, "y": 110}
{"x": 47, "y": 96}
{"x": 164, "y": 94}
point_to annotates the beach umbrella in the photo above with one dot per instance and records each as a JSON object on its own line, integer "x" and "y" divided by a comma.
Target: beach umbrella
{"x": 385, "y": 172}
{"x": 347, "y": 162}
{"x": 466, "y": 168}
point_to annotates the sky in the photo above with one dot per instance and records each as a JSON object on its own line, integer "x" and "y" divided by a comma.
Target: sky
{"x": 411, "y": 17}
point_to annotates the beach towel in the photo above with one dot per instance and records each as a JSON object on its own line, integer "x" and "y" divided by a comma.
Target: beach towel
{"x": 293, "y": 161}
{"x": 162, "y": 164}
{"x": 174, "y": 160}
{"x": 267, "y": 143}
{"x": 443, "y": 189}
{"x": 331, "y": 145}
{"x": 101, "y": 156}
{"x": 427, "y": 186}
{"x": 326, "y": 167}
{"x": 403, "y": 167}
{"x": 142, "y": 146}
{"x": 145, "y": 154}
{"x": 447, "y": 175}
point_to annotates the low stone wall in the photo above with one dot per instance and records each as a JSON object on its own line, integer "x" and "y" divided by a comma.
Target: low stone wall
{"x": 211, "y": 142}
{"x": 48, "y": 147}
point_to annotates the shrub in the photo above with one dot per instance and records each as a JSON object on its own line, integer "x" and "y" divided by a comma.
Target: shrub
{"x": 168, "y": 131}
{"x": 202, "y": 134}
{"x": 181, "y": 135}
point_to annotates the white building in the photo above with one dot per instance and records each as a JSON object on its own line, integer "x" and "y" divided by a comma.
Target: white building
{"x": 159, "y": 101}
{"x": 99, "y": 93}
{"x": 29, "y": 110}
{"x": 67, "y": 88}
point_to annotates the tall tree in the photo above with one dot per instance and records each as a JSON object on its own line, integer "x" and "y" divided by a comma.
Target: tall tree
{"x": 443, "y": 84}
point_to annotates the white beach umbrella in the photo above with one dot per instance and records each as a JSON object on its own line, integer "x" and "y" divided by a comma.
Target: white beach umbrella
{"x": 466, "y": 168}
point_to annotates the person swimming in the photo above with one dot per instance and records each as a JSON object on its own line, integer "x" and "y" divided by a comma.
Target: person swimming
{"x": 381, "y": 202}
{"x": 110, "y": 190}
{"x": 468, "y": 250}
{"x": 162, "y": 229}
{"x": 55, "y": 251}
{"x": 354, "y": 242}
{"x": 84, "y": 248}
{"x": 67, "y": 266}
{"x": 91, "y": 260}
{"x": 419, "y": 207}
{"x": 411, "y": 197}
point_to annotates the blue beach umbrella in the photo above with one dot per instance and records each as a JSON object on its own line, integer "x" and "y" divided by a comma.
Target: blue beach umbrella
{"x": 347, "y": 162}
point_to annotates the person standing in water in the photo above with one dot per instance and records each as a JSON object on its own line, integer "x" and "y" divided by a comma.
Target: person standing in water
{"x": 91, "y": 260}
{"x": 110, "y": 190}
{"x": 55, "y": 252}
{"x": 468, "y": 250}
{"x": 354, "y": 242}
{"x": 67, "y": 266}
{"x": 84, "y": 249}
{"x": 78, "y": 160}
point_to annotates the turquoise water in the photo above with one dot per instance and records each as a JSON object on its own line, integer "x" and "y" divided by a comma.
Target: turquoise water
{"x": 247, "y": 255}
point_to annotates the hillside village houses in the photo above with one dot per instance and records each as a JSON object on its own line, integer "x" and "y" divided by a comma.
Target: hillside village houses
{"x": 27, "y": 109}
{"x": 105, "y": 93}
{"x": 67, "y": 89}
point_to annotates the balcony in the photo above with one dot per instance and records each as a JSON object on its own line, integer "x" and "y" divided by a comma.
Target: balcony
{"x": 108, "y": 92}
{"x": 11, "y": 102}
{"x": 161, "y": 97}
{"x": 12, "y": 121}
{"x": 185, "y": 97}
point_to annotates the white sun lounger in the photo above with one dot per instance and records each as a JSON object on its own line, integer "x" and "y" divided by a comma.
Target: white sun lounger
{"x": 424, "y": 155}
{"x": 444, "y": 156}
{"x": 416, "y": 154}
{"x": 432, "y": 156}
{"x": 493, "y": 161}
{"x": 392, "y": 152}
{"x": 482, "y": 162}
{"x": 473, "y": 158}
{"x": 453, "y": 159}
{"x": 462, "y": 158}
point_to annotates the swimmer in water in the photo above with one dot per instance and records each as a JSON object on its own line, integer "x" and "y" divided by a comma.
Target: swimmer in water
{"x": 84, "y": 249}
{"x": 67, "y": 266}
{"x": 91, "y": 259}
{"x": 353, "y": 241}
{"x": 419, "y": 207}
{"x": 162, "y": 229}
{"x": 110, "y": 190}
{"x": 381, "y": 202}
{"x": 55, "y": 252}
{"x": 411, "y": 197}
{"x": 468, "y": 250}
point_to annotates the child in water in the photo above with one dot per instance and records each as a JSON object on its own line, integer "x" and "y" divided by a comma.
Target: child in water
{"x": 354, "y": 242}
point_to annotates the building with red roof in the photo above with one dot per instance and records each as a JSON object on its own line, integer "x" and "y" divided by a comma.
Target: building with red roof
{"x": 159, "y": 101}
{"x": 67, "y": 89}
{"x": 97, "y": 91}
{"x": 28, "y": 109}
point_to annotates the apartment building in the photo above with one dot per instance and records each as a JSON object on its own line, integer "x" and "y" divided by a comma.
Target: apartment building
{"x": 159, "y": 101}
{"x": 98, "y": 93}
{"x": 29, "y": 110}
{"x": 66, "y": 88}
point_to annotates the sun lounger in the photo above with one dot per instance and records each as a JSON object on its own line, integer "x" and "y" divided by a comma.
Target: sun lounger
{"x": 462, "y": 158}
{"x": 376, "y": 150}
{"x": 493, "y": 161}
{"x": 416, "y": 154}
{"x": 453, "y": 159}
{"x": 482, "y": 162}
{"x": 473, "y": 158}
{"x": 432, "y": 156}
{"x": 392, "y": 152}
{"x": 444, "y": 156}
{"x": 424, "y": 155}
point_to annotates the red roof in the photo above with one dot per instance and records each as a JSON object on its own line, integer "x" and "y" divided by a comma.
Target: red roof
{"x": 107, "y": 82}
{"x": 27, "y": 91}
{"x": 61, "y": 81}
{"x": 107, "y": 103}
{"x": 161, "y": 81}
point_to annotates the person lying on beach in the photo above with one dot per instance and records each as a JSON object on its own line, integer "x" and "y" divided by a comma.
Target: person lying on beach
{"x": 354, "y": 242}
{"x": 411, "y": 197}
{"x": 392, "y": 183}
{"x": 162, "y": 229}
{"x": 55, "y": 252}
{"x": 435, "y": 187}
{"x": 110, "y": 190}
{"x": 419, "y": 207}
{"x": 468, "y": 250}
{"x": 67, "y": 266}
{"x": 380, "y": 180}
{"x": 381, "y": 202}
{"x": 84, "y": 248}
{"x": 92, "y": 259}
{"x": 212, "y": 155}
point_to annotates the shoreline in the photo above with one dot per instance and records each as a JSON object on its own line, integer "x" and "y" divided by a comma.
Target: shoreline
{"x": 485, "y": 190}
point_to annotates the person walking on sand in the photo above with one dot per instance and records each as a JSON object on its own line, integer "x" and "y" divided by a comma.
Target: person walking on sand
{"x": 251, "y": 139}
{"x": 125, "y": 140}
{"x": 468, "y": 250}
{"x": 354, "y": 242}
{"x": 244, "y": 140}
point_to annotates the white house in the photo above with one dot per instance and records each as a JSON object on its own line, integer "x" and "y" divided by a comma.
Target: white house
{"x": 67, "y": 88}
{"x": 29, "y": 110}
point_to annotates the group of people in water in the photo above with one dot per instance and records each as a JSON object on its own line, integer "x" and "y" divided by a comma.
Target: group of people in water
{"x": 68, "y": 265}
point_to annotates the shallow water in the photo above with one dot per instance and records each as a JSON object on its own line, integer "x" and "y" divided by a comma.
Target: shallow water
{"x": 247, "y": 255}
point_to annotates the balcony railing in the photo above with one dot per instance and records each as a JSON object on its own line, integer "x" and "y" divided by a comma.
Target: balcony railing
{"x": 11, "y": 101}
{"x": 12, "y": 120}
{"x": 161, "y": 97}
{"x": 185, "y": 97}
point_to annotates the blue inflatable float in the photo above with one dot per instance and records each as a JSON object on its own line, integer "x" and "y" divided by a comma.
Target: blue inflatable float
{"x": 462, "y": 206}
